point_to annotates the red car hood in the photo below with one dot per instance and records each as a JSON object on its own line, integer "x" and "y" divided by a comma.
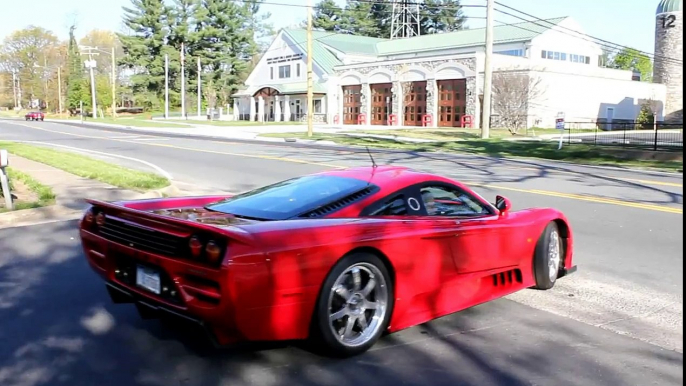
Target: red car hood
{"x": 202, "y": 215}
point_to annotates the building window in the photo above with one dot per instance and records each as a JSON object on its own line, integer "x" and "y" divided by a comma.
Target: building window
{"x": 297, "y": 70}
{"x": 284, "y": 72}
{"x": 554, "y": 55}
{"x": 317, "y": 106}
{"x": 271, "y": 72}
{"x": 580, "y": 59}
{"x": 517, "y": 52}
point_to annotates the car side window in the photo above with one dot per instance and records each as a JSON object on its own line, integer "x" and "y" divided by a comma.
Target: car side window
{"x": 445, "y": 201}
{"x": 395, "y": 206}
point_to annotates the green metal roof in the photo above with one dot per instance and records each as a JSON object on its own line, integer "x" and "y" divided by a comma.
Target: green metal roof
{"x": 362, "y": 45}
{"x": 518, "y": 32}
{"x": 349, "y": 44}
{"x": 669, "y": 6}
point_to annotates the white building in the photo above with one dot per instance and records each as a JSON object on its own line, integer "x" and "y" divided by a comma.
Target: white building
{"x": 369, "y": 81}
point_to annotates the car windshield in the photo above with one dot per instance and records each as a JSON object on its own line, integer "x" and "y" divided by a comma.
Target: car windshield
{"x": 289, "y": 198}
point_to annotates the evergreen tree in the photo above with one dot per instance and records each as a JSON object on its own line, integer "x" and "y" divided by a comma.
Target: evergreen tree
{"x": 226, "y": 45}
{"x": 144, "y": 48}
{"x": 358, "y": 19}
{"x": 438, "y": 16}
{"x": 74, "y": 79}
{"x": 327, "y": 16}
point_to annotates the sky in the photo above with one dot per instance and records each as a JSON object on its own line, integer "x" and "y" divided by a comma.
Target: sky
{"x": 624, "y": 22}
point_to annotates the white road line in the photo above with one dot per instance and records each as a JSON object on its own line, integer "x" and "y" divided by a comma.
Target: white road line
{"x": 161, "y": 171}
{"x": 150, "y": 139}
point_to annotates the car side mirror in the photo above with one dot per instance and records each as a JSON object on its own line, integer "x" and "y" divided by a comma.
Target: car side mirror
{"x": 503, "y": 204}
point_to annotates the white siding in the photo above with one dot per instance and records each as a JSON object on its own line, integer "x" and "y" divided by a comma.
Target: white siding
{"x": 281, "y": 47}
{"x": 586, "y": 98}
{"x": 561, "y": 39}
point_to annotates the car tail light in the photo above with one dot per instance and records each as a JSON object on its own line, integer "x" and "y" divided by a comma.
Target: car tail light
{"x": 204, "y": 249}
{"x": 100, "y": 219}
{"x": 196, "y": 246}
{"x": 213, "y": 251}
{"x": 89, "y": 217}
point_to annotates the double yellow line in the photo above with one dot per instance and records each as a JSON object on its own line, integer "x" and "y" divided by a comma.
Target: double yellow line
{"x": 596, "y": 199}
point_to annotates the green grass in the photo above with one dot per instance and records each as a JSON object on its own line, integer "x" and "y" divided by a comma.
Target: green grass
{"x": 45, "y": 194}
{"x": 577, "y": 153}
{"x": 87, "y": 167}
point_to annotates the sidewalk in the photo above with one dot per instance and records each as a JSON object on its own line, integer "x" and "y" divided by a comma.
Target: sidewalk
{"x": 70, "y": 192}
{"x": 248, "y": 132}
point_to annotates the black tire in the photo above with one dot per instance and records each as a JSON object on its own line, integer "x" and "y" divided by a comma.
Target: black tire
{"x": 322, "y": 336}
{"x": 545, "y": 272}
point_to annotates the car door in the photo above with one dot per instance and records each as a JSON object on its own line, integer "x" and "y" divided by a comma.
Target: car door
{"x": 477, "y": 235}
{"x": 423, "y": 242}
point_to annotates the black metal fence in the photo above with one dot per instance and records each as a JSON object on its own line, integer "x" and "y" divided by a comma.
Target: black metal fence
{"x": 661, "y": 136}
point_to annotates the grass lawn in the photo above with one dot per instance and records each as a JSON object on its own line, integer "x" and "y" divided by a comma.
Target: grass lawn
{"x": 29, "y": 193}
{"x": 577, "y": 153}
{"x": 87, "y": 167}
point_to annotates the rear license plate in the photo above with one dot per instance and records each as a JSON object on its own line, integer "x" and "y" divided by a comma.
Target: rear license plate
{"x": 148, "y": 278}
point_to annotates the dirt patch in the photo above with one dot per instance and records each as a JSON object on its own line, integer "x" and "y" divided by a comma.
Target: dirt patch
{"x": 21, "y": 194}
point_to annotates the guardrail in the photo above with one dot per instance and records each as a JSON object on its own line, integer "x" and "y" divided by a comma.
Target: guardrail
{"x": 4, "y": 180}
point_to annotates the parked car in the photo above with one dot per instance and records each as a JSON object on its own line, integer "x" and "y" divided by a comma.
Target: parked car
{"x": 339, "y": 257}
{"x": 34, "y": 116}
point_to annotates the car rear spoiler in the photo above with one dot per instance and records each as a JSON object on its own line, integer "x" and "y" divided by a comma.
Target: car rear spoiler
{"x": 118, "y": 209}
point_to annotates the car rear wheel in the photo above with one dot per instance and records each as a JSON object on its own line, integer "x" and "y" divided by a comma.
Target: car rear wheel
{"x": 548, "y": 258}
{"x": 354, "y": 305}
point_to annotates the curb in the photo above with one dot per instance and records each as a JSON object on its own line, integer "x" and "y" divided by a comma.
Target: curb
{"x": 38, "y": 215}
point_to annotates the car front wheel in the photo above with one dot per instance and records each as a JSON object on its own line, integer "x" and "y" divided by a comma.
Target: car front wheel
{"x": 549, "y": 257}
{"x": 354, "y": 306}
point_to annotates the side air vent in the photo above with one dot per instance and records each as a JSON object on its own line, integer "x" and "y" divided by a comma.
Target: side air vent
{"x": 336, "y": 205}
{"x": 507, "y": 278}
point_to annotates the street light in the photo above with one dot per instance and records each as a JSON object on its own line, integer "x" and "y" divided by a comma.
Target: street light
{"x": 114, "y": 76}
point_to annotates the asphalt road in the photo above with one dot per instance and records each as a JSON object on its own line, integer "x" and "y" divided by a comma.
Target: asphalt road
{"x": 612, "y": 322}
{"x": 59, "y": 328}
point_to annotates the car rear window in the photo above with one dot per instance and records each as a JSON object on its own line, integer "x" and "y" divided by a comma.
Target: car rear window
{"x": 289, "y": 198}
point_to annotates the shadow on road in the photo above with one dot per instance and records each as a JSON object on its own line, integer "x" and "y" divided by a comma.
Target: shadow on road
{"x": 58, "y": 327}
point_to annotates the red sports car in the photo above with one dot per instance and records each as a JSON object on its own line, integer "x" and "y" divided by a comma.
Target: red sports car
{"x": 339, "y": 257}
{"x": 34, "y": 116}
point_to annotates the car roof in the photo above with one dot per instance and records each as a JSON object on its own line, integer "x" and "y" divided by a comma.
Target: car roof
{"x": 388, "y": 177}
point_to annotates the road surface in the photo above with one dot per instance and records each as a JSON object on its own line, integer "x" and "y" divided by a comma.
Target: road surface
{"x": 618, "y": 320}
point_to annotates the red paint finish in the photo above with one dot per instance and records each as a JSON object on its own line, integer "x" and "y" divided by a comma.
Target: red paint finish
{"x": 268, "y": 281}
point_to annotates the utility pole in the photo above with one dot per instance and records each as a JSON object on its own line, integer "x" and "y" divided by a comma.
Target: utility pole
{"x": 114, "y": 83}
{"x": 199, "y": 88}
{"x": 166, "y": 86}
{"x": 488, "y": 73}
{"x": 14, "y": 88}
{"x": 183, "y": 82}
{"x": 310, "y": 96}
{"x": 90, "y": 63}
{"x": 59, "y": 89}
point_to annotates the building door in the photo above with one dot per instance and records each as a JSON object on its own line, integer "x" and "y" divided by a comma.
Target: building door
{"x": 382, "y": 100}
{"x": 351, "y": 104}
{"x": 451, "y": 101}
{"x": 415, "y": 104}
{"x": 610, "y": 116}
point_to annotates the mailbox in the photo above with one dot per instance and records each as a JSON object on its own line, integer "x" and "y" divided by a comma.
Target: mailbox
{"x": 4, "y": 158}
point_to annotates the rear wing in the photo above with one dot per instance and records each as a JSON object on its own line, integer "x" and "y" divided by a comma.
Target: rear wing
{"x": 169, "y": 224}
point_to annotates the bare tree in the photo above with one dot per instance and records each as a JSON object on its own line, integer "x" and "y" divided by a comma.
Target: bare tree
{"x": 513, "y": 91}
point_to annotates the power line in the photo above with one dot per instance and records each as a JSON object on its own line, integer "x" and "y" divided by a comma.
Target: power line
{"x": 603, "y": 43}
